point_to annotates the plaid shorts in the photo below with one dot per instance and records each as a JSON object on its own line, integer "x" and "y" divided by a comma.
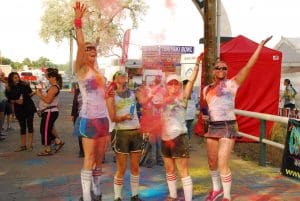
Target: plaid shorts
{"x": 222, "y": 129}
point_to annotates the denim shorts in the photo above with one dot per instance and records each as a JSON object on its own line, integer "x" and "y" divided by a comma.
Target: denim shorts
{"x": 91, "y": 128}
{"x": 178, "y": 147}
{"x": 222, "y": 129}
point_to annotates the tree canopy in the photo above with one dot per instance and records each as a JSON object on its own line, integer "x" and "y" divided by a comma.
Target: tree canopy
{"x": 103, "y": 20}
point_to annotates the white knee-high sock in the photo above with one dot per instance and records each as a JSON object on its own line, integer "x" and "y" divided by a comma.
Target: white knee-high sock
{"x": 187, "y": 184}
{"x": 86, "y": 179}
{"x": 118, "y": 186}
{"x": 171, "y": 180}
{"x": 96, "y": 181}
{"x": 226, "y": 182}
{"x": 134, "y": 183}
{"x": 216, "y": 180}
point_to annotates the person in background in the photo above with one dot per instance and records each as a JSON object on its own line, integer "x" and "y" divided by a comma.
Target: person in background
{"x": 150, "y": 98}
{"x": 219, "y": 99}
{"x": 126, "y": 139}
{"x": 19, "y": 93}
{"x": 48, "y": 105}
{"x": 288, "y": 97}
{"x": 190, "y": 112}
{"x": 92, "y": 123}
{"x": 3, "y": 101}
{"x": 8, "y": 114}
{"x": 76, "y": 107}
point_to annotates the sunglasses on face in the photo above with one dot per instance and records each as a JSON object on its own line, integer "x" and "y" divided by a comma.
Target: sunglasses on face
{"x": 90, "y": 48}
{"x": 223, "y": 68}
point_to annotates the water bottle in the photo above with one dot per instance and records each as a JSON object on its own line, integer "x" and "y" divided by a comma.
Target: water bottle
{"x": 132, "y": 106}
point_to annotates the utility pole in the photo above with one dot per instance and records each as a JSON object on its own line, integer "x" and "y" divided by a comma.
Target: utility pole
{"x": 71, "y": 54}
{"x": 210, "y": 39}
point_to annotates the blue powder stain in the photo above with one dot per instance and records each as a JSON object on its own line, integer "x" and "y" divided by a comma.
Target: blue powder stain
{"x": 156, "y": 191}
{"x": 35, "y": 162}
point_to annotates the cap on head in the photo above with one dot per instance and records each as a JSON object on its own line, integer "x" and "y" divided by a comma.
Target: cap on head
{"x": 120, "y": 73}
{"x": 173, "y": 77}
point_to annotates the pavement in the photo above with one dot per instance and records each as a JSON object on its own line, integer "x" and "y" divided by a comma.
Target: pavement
{"x": 26, "y": 177}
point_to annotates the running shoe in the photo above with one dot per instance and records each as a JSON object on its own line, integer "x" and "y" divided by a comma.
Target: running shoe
{"x": 135, "y": 198}
{"x": 214, "y": 195}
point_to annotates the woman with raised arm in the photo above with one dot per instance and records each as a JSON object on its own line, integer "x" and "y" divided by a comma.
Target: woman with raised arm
{"x": 175, "y": 146}
{"x": 92, "y": 123}
{"x": 219, "y": 99}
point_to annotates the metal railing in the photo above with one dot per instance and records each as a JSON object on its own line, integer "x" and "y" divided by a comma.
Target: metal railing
{"x": 261, "y": 139}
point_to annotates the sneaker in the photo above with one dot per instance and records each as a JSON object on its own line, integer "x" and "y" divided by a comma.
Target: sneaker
{"x": 171, "y": 199}
{"x": 214, "y": 195}
{"x": 135, "y": 198}
{"x": 96, "y": 197}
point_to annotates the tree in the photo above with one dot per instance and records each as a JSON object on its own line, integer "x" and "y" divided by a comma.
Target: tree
{"x": 27, "y": 62}
{"x": 5, "y": 61}
{"x": 103, "y": 20}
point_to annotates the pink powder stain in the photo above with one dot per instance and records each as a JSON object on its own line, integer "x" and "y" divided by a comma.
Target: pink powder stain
{"x": 170, "y": 4}
{"x": 109, "y": 7}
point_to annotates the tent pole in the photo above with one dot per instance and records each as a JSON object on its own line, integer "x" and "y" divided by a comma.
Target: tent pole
{"x": 218, "y": 27}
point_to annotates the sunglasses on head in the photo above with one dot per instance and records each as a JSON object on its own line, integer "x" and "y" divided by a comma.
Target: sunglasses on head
{"x": 90, "y": 48}
{"x": 223, "y": 68}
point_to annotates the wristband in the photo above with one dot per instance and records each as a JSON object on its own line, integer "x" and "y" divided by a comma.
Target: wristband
{"x": 78, "y": 23}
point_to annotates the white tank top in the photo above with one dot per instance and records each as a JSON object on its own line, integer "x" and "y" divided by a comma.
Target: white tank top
{"x": 126, "y": 106}
{"x": 174, "y": 119}
{"x": 43, "y": 105}
{"x": 93, "y": 102}
{"x": 220, "y": 100}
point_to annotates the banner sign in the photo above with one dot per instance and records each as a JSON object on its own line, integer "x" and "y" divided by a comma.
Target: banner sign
{"x": 291, "y": 156}
{"x": 164, "y": 57}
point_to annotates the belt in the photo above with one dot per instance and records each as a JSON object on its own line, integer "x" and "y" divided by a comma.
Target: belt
{"x": 221, "y": 123}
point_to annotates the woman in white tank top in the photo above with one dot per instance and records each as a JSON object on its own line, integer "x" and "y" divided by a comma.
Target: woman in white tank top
{"x": 92, "y": 123}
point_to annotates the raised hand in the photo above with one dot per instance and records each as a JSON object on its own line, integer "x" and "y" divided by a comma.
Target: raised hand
{"x": 79, "y": 9}
{"x": 263, "y": 42}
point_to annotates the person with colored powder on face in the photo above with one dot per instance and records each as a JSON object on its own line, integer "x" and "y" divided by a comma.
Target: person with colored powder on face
{"x": 175, "y": 146}
{"x": 126, "y": 139}
{"x": 92, "y": 123}
{"x": 219, "y": 99}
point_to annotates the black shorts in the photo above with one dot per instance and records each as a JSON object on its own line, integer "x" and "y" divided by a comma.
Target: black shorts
{"x": 178, "y": 147}
{"x": 126, "y": 141}
{"x": 8, "y": 109}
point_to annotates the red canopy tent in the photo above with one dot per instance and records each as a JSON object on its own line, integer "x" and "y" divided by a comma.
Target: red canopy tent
{"x": 260, "y": 91}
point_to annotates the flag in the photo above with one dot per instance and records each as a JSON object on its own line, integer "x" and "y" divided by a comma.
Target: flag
{"x": 125, "y": 46}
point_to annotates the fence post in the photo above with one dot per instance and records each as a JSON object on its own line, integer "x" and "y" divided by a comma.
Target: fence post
{"x": 262, "y": 146}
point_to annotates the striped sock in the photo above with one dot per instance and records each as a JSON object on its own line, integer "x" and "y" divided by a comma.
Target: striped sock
{"x": 187, "y": 184}
{"x": 215, "y": 177}
{"x": 134, "y": 183}
{"x": 118, "y": 186}
{"x": 86, "y": 179}
{"x": 96, "y": 181}
{"x": 226, "y": 182}
{"x": 171, "y": 180}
